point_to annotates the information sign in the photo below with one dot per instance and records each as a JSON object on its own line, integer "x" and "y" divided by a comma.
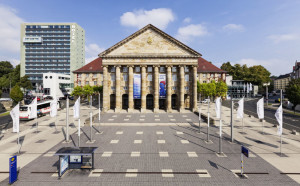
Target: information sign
{"x": 64, "y": 164}
{"x": 13, "y": 173}
{"x": 245, "y": 151}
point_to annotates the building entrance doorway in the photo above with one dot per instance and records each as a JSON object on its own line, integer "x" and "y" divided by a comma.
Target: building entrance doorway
{"x": 186, "y": 101}
{"x": 137, "y": 104}
{"x": 162, "y": 104}
{"x": 112, "y": 101}
{"x": 125, "y": 101}
{"x": 149, "y": 101}
{"x": 174, "y": 101}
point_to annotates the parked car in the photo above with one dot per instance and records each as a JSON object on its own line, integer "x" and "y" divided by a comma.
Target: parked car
{"x": 205, "y": 101}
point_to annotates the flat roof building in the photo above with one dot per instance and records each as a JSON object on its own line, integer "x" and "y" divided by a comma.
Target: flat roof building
{"x": 51, "y": 47}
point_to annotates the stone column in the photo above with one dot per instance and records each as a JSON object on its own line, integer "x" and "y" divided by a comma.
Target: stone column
{"x": 156, "y": 91}
{"x": 118, "y": 91}
{"x": 105, "y": 90}
{"x": 195, "y": 107}
{"x": 169, "y": 89}
{"x": 144, "y": 89}
{"x": 130, "y": 92}
{"x": 181, "y": 108}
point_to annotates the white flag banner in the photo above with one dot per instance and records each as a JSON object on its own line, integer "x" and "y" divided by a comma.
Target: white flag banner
{"x": 53, "y": 108}
{"x": 33, "y": 106}
{"x": 260, "y": 108}
{"x": 240, "y": 111}
{"x": 244, "y": 87}
{"x": 77, "y": 109}
{"x": 278, "y": 116}
{"x": 247, "y": 88}
{"x": 15, "y": 116}
{"x": 250, "y": 87}
{"x": 218, "y": 107}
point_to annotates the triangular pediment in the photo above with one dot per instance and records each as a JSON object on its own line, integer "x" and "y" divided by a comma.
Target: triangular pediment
{"x": 150, "y": 42}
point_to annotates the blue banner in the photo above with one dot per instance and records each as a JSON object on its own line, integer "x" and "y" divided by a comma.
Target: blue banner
{"x": 162, "y": 86}
{"x": 64, "y": 164}
{"x": 137, "y": 86}
{"x": 13, "y": 172}
{"x": 245, "y": 151}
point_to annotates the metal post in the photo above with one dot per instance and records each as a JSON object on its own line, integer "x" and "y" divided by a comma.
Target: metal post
{"x": 282, "y": 122}
{"x": 79, "y": 132}
{"x": 199, "y": 112}
{"x": 267, "y": 96}
{"x": 231, "y": 117}
{"x": 91, "y": 117}
{"x": 67, "y": 120}
{"x": 243, "y": 124}
{"x": 220, "y": 136}
{"x": 36, "y": 120}
{"x": 208, "y": 119}
{"x": 242, "y": 165}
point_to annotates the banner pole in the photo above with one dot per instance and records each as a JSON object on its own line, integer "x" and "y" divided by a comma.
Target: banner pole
{"x": 231, "y": 117}
{"x": 220, "y": 137}
{"x": 208, "y": 120}
{"x": 79, "y": 132}
{"x": 281, "y": 123}
{"x": 199, "y": 112}
{"x": 67, "y": 120}
{"x": 242, "y": 165}
{"x": 99, "y": 110}
{"x": 91, "y": 116}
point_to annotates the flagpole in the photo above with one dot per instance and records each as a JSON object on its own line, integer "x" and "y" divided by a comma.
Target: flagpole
{"x": 281, "y": 122}
{"x": 231, "y": 117}
{"x": 91, "y": 115}
{"x": 19, "y": 131}
{"x": 199, "y": 112}
{"x": 263, "y": 120}
{"x": 220, "y": 136}
{"x": 67, "y": 120}
{"x": 79, "y": 131}
{"x": 208, "y": 120}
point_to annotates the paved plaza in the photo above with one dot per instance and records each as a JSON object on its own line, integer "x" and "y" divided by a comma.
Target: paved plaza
{"x": 157, "y": 149}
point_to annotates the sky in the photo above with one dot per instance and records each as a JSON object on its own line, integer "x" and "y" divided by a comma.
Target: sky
{"x": 253, "y": 32}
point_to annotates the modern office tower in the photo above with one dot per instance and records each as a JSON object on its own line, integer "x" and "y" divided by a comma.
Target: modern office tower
{"x": 51, "y": 47}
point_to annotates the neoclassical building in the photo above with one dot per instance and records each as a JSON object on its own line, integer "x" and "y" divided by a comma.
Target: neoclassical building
{"x": 148, "y": 70}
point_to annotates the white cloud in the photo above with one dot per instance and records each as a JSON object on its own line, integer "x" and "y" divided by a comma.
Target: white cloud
{"x": 234, "y": 28}
{"x": 159, "y": 17}
{"x": 250, "y": 62}
{"x": 186, "y": 33}
{"x": 283, "y": 37}
{"x": 92, "y": 51}
{"x": 187, "y": 20}
{"x": 10, "y": 25}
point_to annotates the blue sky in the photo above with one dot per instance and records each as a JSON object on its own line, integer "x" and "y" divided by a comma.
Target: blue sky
{"x": 256, "y": 32}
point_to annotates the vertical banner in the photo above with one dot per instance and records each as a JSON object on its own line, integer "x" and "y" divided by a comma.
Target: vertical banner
{"x": 162, "y": 86}
{"x": 13, "y": 173}
{"x": 136, "y": 86}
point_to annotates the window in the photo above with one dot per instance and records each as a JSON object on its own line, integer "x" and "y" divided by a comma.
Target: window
{"x": 212, "y": 75}
{"x": 204, "y": 75}
{"x": 137, "y": 69}
{"x": 86, "y": 75}
{"x": 219, "y": 75}
{"x": 204, "y": 81}
{"x": 113, "y": 69}
{"x": 87, "y": 83}
{"x": 186, "y": 69}
{"x": 125, "y": 69}
{"x": 173, "y": 88}
{"x": 125, "y": 88}
{"x": 149, "y": 69}
{"x": 174, "y": 77}
{"x": 113, "y": 88}
{"x": 125, "y": 77}
{"x": 112, "y": 77}
{"x": 186, "y": 77}
{"x": 162, "y": 69}
{"x": 174, "y": 69}
{"x": 149, "y": 87}
{"x": 94, "y": 75}
{"x": 149, "y": 77}
{"x": 79, "y": 83}
{"x": 186, "y": 88}
{"x": 95, "y": 82}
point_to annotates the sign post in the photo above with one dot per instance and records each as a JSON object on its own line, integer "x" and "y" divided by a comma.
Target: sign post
{"x": 13, "y": 172}
{"x": 245, "y": 152}
{"x": 199, "y": 112}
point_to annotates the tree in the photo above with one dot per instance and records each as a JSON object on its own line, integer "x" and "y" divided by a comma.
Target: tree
{"x": 221, "y": 89}
{"x": 87, "y": 91}
{"x": 78, "y": 91}
{"x": 16, "y": 94}
{"x": 98, "y": 89}
{"x": 5, "y": 68}
{"x": 0, "y": 93}
{"x": 25, "y": 82}
{"x": 211, "y": 89}
{"x": 293, "y": 92}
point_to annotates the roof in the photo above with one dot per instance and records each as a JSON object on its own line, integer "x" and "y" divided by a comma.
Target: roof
{"x": 205, "y": 66}
{"x": 284, "y": 76}
{"x": 75, "y": 151}
{"x": 93, "y": 66}
{"x": 149, "y": 26}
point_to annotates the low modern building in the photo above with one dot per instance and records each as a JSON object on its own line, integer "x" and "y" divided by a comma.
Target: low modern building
{"x": 148, "y": 70}
{"x": 56, "y": 85}
{"x": 282, "y": 82}
{"x": 51, "y": 47}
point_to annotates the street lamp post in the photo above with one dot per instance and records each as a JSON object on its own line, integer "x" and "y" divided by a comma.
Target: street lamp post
{"x": 267, "y": 96}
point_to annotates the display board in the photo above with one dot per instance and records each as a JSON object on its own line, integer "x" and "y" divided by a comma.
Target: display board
{"x": 64, "y": 164}
{"x": 162, "y": 86}
{"x": 75, "y": 159}
{"x": 137, "y": 86}
{"x": 13, "y": 173}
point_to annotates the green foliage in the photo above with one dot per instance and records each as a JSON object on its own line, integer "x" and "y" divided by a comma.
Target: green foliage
{"x": 98, "y": 89}
{"x": 0, "y": 93}
{"x": 11, "y": 77}
{"x": 211, "y": 89}
{"x": 78, "y": 91}
{"x": 293, "y": 92}
{"x": 5, "y": 68}
{"x": 256, "y": 74}
{"x": 16, "y": 94}
{"x": 25, "y": 82}
{"x": 87, "y": 90}
{"x": 221, "y": 89}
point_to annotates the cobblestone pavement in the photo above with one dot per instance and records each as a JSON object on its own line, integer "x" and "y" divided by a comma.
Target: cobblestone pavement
{"x": 168, "y": 151}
